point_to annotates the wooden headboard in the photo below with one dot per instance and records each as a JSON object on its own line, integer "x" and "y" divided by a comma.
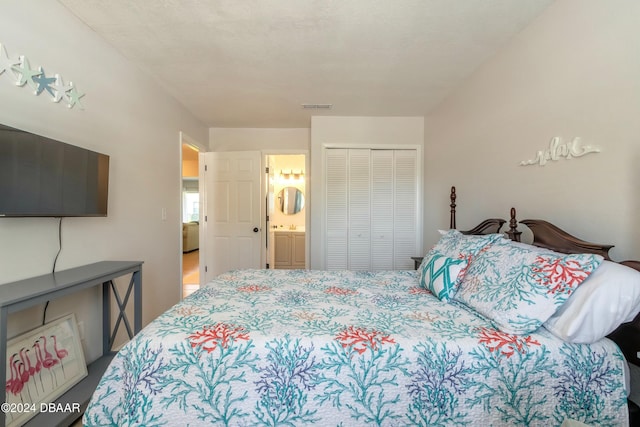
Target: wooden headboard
{"x": 547, "y": 235}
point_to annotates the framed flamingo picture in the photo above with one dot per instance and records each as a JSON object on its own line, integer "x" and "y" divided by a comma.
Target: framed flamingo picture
{"x": 42, "y": 364}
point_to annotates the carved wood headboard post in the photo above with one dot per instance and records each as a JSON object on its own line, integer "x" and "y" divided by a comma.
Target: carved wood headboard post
{"x": 491, "y": 225}
{"x": 513, "y": 232}
{"x": 452, "y": 196}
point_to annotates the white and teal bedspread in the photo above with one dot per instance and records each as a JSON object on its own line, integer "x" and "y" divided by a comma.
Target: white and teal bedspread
{"x": 297, "y": 348}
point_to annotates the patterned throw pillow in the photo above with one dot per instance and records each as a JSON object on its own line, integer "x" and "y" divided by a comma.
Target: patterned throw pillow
{"x": 454, "y": 244}
{"x": 518, "y": 287}
{"x": 441, "y": 274}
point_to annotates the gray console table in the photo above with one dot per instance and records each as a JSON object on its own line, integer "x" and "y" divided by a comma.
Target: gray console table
{"x": 16, "y": 296}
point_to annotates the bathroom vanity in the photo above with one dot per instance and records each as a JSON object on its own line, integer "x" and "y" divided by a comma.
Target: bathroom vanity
{"x": 288, "y": 248}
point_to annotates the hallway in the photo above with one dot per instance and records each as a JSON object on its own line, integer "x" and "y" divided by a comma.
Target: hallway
{"x": 190, "y": 273}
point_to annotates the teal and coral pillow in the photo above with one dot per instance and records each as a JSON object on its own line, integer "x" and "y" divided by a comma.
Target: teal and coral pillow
{"x": 441, "y": 274}
{"x": 518, "y": 287}
{"x": 456, "y": 245}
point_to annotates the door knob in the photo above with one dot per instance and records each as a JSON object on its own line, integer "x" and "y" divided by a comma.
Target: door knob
{"x": 256, "y": 229}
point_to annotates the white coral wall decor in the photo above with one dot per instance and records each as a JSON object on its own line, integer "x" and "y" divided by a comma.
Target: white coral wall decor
{"x": 557, "y": 150}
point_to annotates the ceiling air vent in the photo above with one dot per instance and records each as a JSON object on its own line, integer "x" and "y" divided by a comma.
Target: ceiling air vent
{"x": 317, "y": 106}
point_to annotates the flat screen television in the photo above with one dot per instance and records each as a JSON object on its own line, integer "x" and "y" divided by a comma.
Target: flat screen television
{"x": 42, "y": 177}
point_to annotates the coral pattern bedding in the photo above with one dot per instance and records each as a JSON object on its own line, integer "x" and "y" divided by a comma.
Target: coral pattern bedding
{"x": 274, "y": 347}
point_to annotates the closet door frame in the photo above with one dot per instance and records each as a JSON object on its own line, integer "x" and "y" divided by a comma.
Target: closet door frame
{"x": 419, "y": 190}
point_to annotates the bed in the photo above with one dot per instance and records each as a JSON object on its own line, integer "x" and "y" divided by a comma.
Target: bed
{"x": 351, "y": 348}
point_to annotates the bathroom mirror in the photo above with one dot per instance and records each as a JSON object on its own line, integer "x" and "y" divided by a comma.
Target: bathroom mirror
{"x": 290, "y": 200}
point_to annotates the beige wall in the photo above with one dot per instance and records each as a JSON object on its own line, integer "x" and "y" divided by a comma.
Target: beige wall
{"x": 574, "y": 72}
{"x": 190, "y": 162}
{"x": 127, "y": 117}
{"x": 190, "y": 169}
{"x": 256, "y": 139}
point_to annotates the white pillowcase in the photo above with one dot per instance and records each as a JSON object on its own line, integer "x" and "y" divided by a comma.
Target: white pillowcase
{"x": 608, "y": 298}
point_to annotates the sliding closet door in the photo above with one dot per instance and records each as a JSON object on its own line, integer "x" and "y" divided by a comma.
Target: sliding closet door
{"x": 371, "y": 200}
{"x": 382, "y": 219}
{"x": 359, "y": 210}
{"x": 405, "y": 209}
{"x": 337, "y": 196}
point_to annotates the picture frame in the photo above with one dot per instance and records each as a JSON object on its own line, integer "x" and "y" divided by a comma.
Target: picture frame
{"x": 42, "y": 364}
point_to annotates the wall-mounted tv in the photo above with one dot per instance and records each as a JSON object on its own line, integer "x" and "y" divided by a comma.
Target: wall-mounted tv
{"x": 43, "y": 177}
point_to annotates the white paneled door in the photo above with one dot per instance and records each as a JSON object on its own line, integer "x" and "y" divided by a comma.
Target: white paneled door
{"x": 231, "y": 211}
{"x": 372, "y": 208}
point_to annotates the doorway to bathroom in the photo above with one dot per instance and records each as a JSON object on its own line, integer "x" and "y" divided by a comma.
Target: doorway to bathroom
{"x": 286, "y": 213}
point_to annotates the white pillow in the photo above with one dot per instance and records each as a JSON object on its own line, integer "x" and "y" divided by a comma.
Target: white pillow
{"x": 608, "y": 298}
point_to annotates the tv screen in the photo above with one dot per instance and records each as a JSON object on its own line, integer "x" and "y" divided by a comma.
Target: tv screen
{"x": 43, "y": 177}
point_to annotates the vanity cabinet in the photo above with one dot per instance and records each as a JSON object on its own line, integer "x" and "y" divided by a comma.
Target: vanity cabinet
{"x": 289, "y": 249}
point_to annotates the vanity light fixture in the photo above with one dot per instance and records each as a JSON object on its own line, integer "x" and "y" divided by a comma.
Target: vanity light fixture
{"x": 291, "y": 174}
{"x": 285, "y": 173}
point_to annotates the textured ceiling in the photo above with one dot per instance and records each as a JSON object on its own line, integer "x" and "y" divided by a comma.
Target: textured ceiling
{"x": 253, "y": 63}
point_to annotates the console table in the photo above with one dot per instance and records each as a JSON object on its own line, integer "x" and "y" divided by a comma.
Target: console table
{"x": 22, "y": 294}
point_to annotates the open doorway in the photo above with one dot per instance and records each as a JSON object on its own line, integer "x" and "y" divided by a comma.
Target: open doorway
{"x": 190, "y": 219}
{"x": 286, "y": 214}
